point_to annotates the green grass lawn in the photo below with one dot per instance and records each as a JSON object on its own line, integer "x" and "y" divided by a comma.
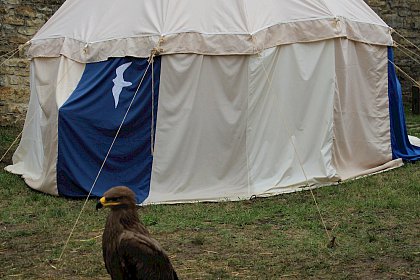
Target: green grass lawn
{"x": 376, "y": 222}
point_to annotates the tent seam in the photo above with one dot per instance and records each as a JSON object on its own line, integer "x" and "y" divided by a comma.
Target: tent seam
{"x": 248, "y": 171}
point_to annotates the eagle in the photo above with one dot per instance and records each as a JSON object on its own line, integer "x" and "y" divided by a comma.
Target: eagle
{"x": 129, "y": 251}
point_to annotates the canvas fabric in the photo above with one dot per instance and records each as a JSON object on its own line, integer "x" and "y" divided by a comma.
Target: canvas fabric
{"x": 260, "y": 144}
{"x": 95, "y": 30}
{"x": 229, "y": 127}
{"x": 361, "y": 120}
{"x": 52, "y": 82}
{"x": 108, "y": 116}
{"x": 402, "y": 145}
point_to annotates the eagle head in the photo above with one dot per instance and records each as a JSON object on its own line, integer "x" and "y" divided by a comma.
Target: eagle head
{"x": 117, "y": 197}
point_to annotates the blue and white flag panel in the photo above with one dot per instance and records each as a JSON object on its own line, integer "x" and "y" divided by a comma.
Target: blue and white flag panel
{"x": 88, "y": 123}
{"x": 227, "y": 127}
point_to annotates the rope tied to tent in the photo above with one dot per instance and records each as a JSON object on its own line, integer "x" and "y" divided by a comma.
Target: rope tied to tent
{"x": 12, "y": 53}
{"x": 13, "y": 143}
{"x": 407, "y": 75}
{"x": 9, "y": 55}
{"x": 150, "y": 62}
{"x": 410, "y": 55}
{"x": 28, "y": 122}
{"x": 411, "y": 43}
{"x": 154, "y": 52}
{"x": 398, "y": 45}
{"x": 152, "y": 125}
{"x": 413, "y": 54}
{"x": 408, "y": 52}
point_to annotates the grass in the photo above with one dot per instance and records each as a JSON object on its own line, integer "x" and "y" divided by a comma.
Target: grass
{"x": 376, "y": 222}
{"x": 413, "y": 124}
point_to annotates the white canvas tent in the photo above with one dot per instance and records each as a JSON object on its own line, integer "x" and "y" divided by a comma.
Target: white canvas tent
{"x": 243, "y": 98}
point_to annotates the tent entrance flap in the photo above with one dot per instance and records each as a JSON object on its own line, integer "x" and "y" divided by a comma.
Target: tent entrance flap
{"x": 88, "y": 122}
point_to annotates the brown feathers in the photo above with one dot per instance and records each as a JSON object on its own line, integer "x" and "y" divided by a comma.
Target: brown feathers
{"x": 128, "y": 249}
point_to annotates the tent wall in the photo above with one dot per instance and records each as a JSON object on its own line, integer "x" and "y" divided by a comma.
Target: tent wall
{"x": 361, "y": 109}
{"x": 229, "y": 127}
{"x": 52, "y": 82}
{"x": 289, "y": 135}
{"x": 200, "y": 148}
{"x": 315, "y": 113}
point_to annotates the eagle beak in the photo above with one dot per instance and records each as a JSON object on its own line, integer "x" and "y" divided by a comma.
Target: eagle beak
{"x": 100, "y": 203}
{"x": 103, "y": 202}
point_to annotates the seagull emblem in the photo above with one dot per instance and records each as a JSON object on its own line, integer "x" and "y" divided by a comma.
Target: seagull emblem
{"x": 119, "y": 82}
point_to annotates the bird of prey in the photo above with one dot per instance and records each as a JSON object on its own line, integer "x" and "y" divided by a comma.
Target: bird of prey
{"x": 119, "y": 82}
{"x": 128, "y": 249}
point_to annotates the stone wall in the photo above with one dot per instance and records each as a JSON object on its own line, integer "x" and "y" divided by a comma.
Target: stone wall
{"x": 20, "y": 19}
{"x": 404, "y": 17}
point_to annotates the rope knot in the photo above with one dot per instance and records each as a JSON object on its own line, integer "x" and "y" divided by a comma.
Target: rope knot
{"x": 156, "y": 50}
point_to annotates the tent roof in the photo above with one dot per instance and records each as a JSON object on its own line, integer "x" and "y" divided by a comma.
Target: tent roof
{"x": 94, "y": 30}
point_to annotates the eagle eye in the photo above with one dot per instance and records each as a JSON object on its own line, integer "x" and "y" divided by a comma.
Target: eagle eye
{"x": 114, "y": 198}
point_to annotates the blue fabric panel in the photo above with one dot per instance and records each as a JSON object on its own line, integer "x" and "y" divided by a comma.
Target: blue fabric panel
{"x": 88, "y": 123}
{"x": 401, "y": 146}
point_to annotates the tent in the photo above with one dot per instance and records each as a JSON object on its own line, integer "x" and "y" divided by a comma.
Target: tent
{"x": 197, "y": 100}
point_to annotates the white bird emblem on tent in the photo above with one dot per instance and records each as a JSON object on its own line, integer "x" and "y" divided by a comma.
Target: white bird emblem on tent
{"x": 119, "y": 82}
